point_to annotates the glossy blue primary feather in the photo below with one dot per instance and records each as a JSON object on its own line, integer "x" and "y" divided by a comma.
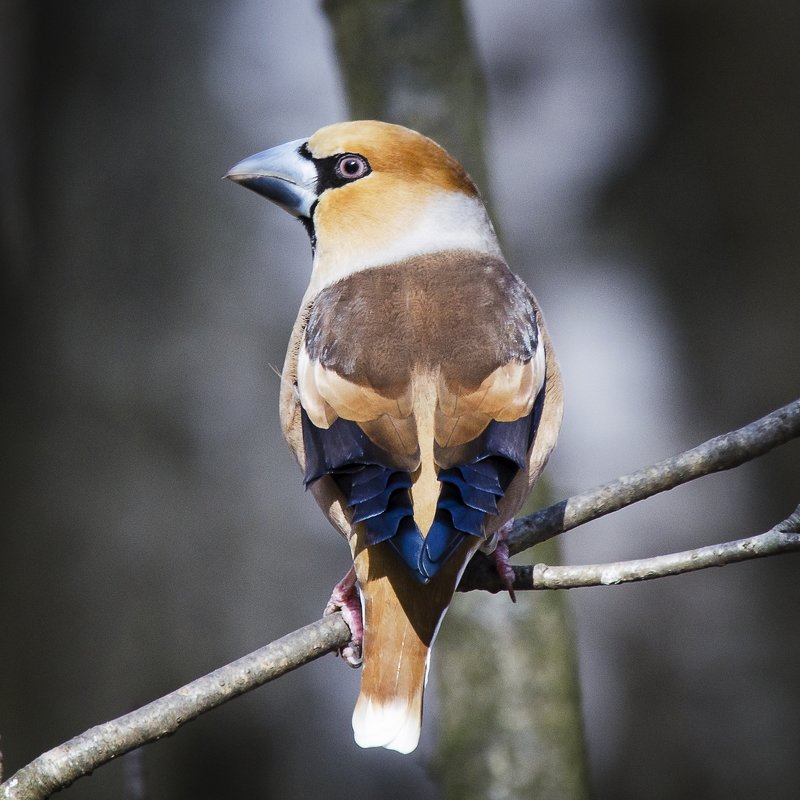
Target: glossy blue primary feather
{"x": 377, "y": 489}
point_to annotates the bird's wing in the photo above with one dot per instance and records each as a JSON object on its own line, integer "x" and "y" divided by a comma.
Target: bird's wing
{"x": 418, "y": 386}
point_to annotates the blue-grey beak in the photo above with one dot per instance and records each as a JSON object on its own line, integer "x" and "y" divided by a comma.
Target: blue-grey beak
{"x": 281, "y": 174}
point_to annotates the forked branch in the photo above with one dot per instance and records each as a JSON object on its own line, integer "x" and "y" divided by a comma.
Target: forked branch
{"x": 67, "y": 762}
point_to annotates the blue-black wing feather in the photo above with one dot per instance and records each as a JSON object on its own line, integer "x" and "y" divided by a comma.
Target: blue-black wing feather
{"x": 376, "y": 487}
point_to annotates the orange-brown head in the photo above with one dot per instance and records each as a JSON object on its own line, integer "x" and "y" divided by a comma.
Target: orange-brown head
{"x": 371, "y": 193}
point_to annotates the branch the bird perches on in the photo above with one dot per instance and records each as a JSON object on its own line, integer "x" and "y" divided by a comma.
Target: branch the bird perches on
{"x": 64, "y": 764}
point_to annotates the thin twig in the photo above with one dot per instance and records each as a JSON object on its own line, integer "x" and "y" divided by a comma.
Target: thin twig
{"x": 771, "y": 543}
{"x": 782, "y": 538}
{"x": 720, "y": 453}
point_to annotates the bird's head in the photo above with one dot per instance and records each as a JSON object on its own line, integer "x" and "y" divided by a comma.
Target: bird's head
{"x": 371, "y": 193}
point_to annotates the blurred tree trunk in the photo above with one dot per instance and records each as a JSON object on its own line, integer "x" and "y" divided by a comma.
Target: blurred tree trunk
{"x": 510, "y": 721}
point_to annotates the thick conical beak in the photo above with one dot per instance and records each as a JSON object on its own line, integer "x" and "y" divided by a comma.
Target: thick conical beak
{"x": 282, "y": 174}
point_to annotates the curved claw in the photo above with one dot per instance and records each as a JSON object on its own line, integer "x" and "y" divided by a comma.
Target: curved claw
{"x": 500, "y": 557}
{"x": 345, "y": 598}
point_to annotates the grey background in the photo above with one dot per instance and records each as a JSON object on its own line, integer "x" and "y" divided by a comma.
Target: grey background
{"x": 644, "y": 170}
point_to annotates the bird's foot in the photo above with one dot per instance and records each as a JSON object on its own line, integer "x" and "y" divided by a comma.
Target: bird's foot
{"x": 345, "y": 598}
{"x": 500, "y": 557}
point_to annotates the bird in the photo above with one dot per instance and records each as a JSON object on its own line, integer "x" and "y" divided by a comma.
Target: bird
{"x": 421, "y": 395}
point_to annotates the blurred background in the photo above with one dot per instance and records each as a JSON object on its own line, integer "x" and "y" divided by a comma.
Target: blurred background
{"x": 643, "y": 164}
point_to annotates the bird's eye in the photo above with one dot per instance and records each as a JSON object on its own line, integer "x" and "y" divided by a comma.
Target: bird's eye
{"x": 351, "y": 168}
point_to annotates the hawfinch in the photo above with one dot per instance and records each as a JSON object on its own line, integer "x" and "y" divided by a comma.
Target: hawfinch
{"x": 420, "y": 394}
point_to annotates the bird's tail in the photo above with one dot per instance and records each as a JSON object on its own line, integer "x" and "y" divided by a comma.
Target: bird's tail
{"x": 401, "y": 619}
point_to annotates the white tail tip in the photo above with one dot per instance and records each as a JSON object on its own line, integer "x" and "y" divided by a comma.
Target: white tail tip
{"x": 394, "y": 724}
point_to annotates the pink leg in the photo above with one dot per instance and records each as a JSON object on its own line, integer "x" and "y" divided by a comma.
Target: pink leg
{"x": 345, "y": 598}
{"x": 501, "y": 563}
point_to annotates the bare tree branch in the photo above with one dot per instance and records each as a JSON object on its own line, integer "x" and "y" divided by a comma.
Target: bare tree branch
{"x": 59, "y": 767}
{"x": 782, "y": 538}
{"x": 720, "y": 453}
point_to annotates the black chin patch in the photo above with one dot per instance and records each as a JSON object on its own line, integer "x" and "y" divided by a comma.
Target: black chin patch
{"x": 308, "y": 224}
